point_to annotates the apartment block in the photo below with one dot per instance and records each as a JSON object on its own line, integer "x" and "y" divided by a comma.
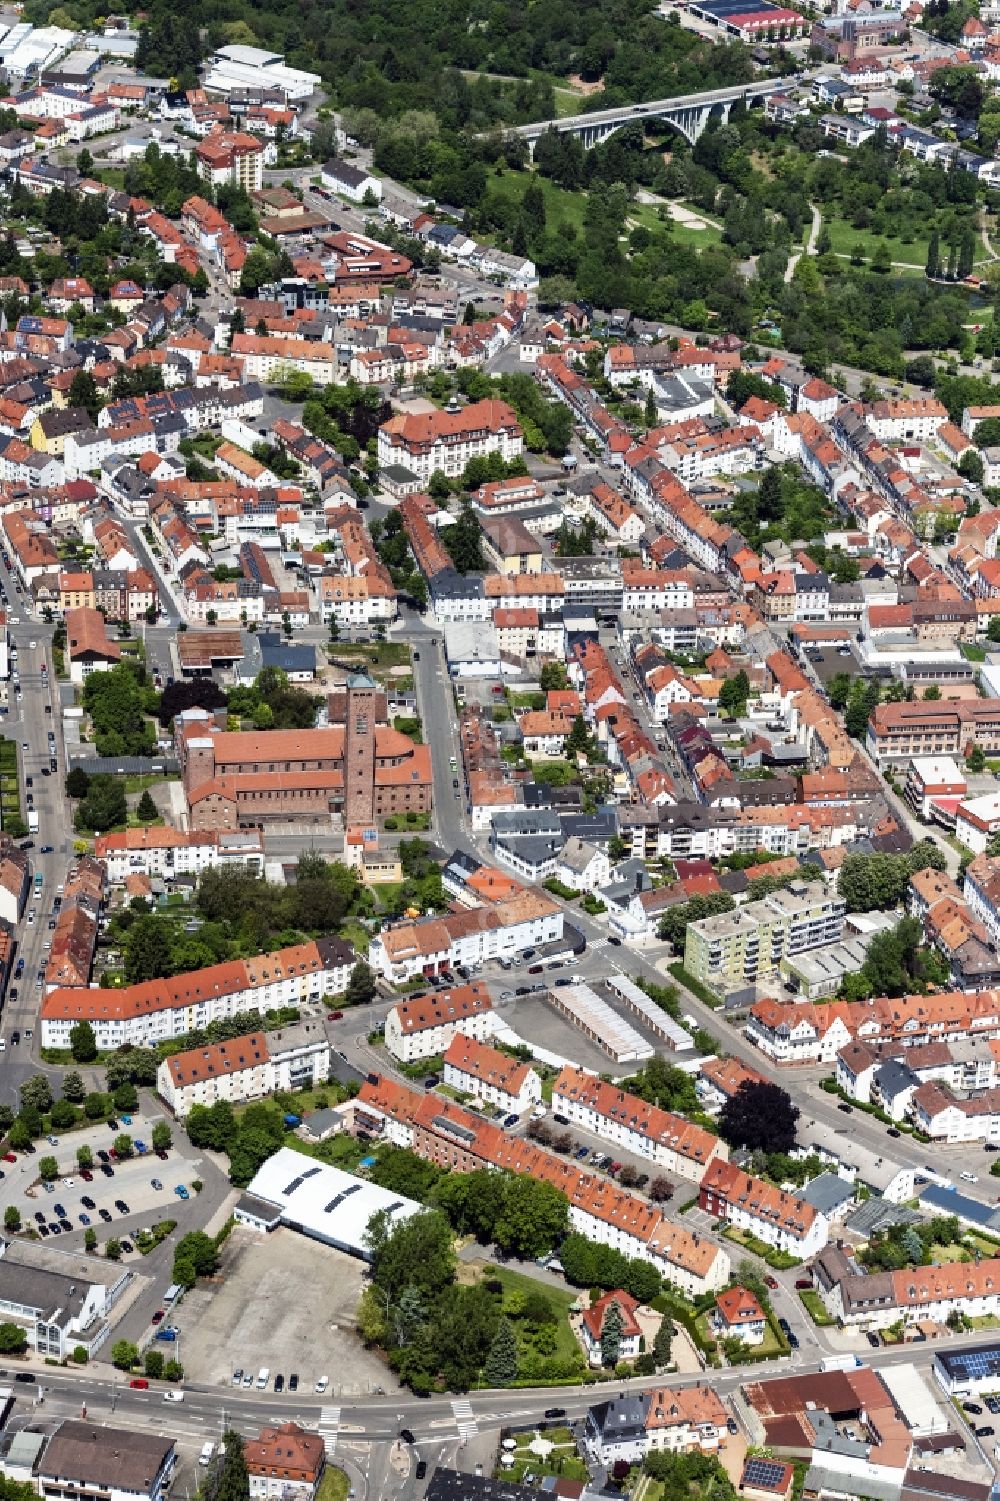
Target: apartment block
{"x": 770, "y": 1214}
{"x": 489, "y": 1076}
{"x": 667, "y": 1140}
{"x": 737, "y": 948}
{"x": 157, "y": 1010}
{"x": 424, "y": 1026}
{"x": 245, "y": 1068}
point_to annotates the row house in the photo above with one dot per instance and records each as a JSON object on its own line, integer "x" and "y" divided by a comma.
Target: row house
{"x": 167, "y": 853}
{"x": 815, "y": 1032}
{"x": 598, "y": 1208}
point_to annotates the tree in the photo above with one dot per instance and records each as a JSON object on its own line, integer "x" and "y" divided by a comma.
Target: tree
{"x": 553, "y": 676}
{"x": 761, "y": 1116}
{"x": 77, "y": 783}
{"x": 62, "y": 1115}
{"x": 48, "y": 1169}
{"x": 13, "y": 1339}
{"x": 124, "y": 1146}
{"x": 161, "y": 1137}
{"x": 734, "y": 693}
{"x": 83, "y": 393}
{"x": 651, "y": 413}
{"x": 126, "y": 1098}
{"x": 611, "y": 1335}
{"x": 82, "y": 1042}
{"x": 90, "y": 1239}
{"x": 578, "y": 739}
{"x": 533, "y": 1216}
{"x": 36, "y": 1094}
{"x": 501, "y": 1362}
{"x": 970, "y": 466}
{"x": 232, "y": 1481}
{"x": 12, "y": 1217}
{"x": 123, "y": 1353}
{"x": 152, "y": 1364}
{"x": 361, "y": 985}
{"x": 662, "y": 1343}
{"x": 200, "y": 1250}
{"x": 975, "y": 761}
{"x": 74, "y": 1088}
{"x": 933, "y": 267}
{"x": 20, "y": 1136}
{"x": 147, "y": 809}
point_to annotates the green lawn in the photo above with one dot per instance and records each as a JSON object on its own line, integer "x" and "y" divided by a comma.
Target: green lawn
{"x": 334, "y": 1486}
{"x": 560, "y": 1302}
{"x": 560, "y": 205}
{"x": 844, "y": 237}
{"x": 813, "y": 1304}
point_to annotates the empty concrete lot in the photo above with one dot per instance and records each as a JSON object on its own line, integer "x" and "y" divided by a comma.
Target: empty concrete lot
{"x": 284, "y": 1302}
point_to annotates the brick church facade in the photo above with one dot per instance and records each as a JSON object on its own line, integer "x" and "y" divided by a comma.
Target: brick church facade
{"x": 357, "y": 765}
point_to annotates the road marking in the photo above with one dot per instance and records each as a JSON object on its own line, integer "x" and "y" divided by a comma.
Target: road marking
{"x": 462, "y": 1408}
{"x": 329, "y": 1426}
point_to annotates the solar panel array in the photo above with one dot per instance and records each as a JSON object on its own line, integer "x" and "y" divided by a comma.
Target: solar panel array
{"x": 975, "y": 1364}
{"x": 763, "y": 1473}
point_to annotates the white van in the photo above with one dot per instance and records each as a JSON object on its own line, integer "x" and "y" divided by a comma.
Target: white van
{"x": 263, "y": 1376}
{"x": 207, "y": 1450}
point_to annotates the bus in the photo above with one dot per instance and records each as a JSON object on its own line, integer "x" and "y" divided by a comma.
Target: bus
{"x": 38, "y": 883}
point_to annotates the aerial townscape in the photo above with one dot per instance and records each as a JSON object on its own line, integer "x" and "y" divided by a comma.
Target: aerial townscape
{"x": 500, "y": 750}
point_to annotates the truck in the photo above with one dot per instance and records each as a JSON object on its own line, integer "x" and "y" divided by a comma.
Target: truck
{"x": 840, "y": 1362}
{"x": 207, "y": 1450}
{"x": 32, "y": 821}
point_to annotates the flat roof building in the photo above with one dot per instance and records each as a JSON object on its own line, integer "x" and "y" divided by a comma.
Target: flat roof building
{"x": 320, "y": 1201}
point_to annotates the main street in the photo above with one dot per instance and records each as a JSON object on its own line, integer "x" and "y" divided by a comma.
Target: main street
{"x": 207, "y": 1411}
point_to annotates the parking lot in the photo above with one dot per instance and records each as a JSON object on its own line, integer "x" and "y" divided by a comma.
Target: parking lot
{"x": 281, "y": 1301}
{"x": 130, "y": 1182}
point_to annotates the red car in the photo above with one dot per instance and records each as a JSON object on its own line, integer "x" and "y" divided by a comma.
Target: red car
{"x": 771, "y": 1281}
{"x": 140, "y": 1384}
{"x": 113, "y": 1155}
{"x": 157, "y": 1316}
{"x": 88, "y": 1177}
{"x": 334, "y": 1016}
{"x": 10, "y": 1156}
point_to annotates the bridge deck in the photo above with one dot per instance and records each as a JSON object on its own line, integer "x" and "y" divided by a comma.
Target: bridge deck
{"x": 623, "y": 113}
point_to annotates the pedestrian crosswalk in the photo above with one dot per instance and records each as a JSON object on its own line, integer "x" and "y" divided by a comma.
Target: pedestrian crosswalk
{"x": 329, "y": 1427}
{"x": 462, "y": 1408}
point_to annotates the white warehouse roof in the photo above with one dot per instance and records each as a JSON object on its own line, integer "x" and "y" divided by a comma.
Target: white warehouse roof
{"x": 321, "y": 1201}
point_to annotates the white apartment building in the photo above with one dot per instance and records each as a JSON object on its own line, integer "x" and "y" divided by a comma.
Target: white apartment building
{"x": 245, "y": 1068}
{"x": 158, "y": 1010}
{"x": 771, "y": 1215}
{"x": 428, "y": 441}
{"x": 167, "y": 853}
{"x": 436, "y": 945}
{"x": 425, "y": 1026}
{"x": 491, "y": 1077}
{"x": 635, "y": 1126}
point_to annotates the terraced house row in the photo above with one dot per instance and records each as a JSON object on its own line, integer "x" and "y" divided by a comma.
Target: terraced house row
{"x": 456, "y": 1139}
